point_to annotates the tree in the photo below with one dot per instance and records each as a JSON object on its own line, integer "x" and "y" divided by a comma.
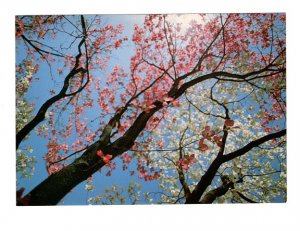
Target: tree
{"x": 201, "y": 107}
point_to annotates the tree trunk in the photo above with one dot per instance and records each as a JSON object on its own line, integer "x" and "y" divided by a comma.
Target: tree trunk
{"x": 56, "y": 186}
{"x": 205, "y": 181}
{"x": 210, "y": 197}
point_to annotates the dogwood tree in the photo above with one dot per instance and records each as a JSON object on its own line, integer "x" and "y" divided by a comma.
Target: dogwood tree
{"x": 200, "y": 107}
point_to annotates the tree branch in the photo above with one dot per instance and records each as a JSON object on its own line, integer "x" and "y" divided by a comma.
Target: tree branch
{"x": 210, "y": 196}
{"x": 245, "y": 198}
{"x": 253, "y": 144}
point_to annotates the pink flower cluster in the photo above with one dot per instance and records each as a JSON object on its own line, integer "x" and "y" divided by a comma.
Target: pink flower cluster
{"x": 210, "y": 135}
{"x": 106, "y": 158}
{"x": 185, "y": 162}
{"x": 144, "y": 174}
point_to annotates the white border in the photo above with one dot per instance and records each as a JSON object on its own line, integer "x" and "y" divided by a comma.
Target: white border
{"x": 225, "y": 217}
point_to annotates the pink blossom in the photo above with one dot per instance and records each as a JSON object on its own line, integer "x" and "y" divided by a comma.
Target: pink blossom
{"x": 175, "y": 103}
{"x": 218, "y": 140}
{"x": 100, "y": 153}
{"x": 185, "y": 165}
{"x": 267, "y": 129}
{"x": 42, "y": 34}
{"x": 185, "y": 162}
{"x": 148, "y": 109}
{"x": 207, "y": 133}
{"x": 107, "y": 158}
{"x": 118, "y": 43}
{"x": 229, "y": 123}
{"x": 160, "y": 143}
{"x": 88, "y": 139}
{"x": 203, "y": 147}
{"x": 126, "y": 158}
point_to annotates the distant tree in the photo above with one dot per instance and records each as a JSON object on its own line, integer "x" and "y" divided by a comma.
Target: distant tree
{"x": 201, "y": 109}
